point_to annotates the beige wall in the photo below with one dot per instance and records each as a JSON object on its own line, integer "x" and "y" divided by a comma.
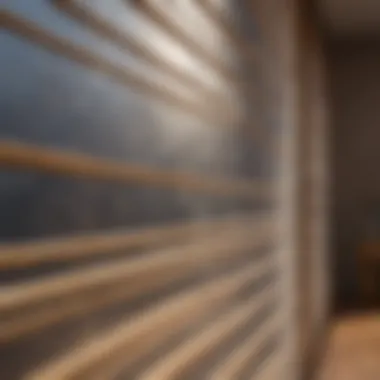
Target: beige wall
{"x": 355, "y": 86}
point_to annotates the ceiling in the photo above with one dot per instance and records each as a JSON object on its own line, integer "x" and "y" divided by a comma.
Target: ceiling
{"x": 351, "y": 18}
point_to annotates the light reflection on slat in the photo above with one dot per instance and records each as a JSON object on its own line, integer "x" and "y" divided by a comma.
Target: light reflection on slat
{"x": 63, "y": 47}
{"x": 24, "y": 156}
{"x": 188, "y": 353}
{"x": 131, "y": 44}
{"x": 138, "y": 334}
{"x": 164, "y": 263}
{"x": 117, "y": 366}
{"x": 155, "y": 15}
{"x": 232, "y": 366}
{"x": 271, "y": 370}
{"x": 71, "y": 248}
{"x": 82, "y": 291}
{"x": 266, "y": 356}
{"x": 32, "y": 32}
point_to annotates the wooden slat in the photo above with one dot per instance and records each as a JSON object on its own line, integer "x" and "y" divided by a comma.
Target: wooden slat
{"x": 263, "y": 355}
{"x": 167, "y": 262}
{"x": 123, "y": 76}
{"x": 185, "y": 356}
{"x": 173, "y": 29}
{"x": 138, "y": 334}
{"x": 116, "y": 366}
{"x": 272, "y": 369}
{"x": 18, "y": 156}
{"x": 132, "y": 45}
{"x": 71, "y": 248}
{"x": 85, "y": 57}
{"x": 232, "y": 366}
{"x": 82, "y": 301}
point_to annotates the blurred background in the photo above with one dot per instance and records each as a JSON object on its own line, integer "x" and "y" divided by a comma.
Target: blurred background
{"x": 189, "y": 189}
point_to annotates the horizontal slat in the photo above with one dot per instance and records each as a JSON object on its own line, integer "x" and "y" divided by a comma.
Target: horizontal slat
{"x": 83, "y": 56}
{"x": 57, "y": 45}
{"x": 20, "y": 156}
{"x": 96, "y": 23}
{"x": 85, "y": 303}
{"x": 140, "y": 333}
{"x": 167, "y": 262}
{"x": 32, "y": 253}
{"x": 117, "y": 365}
{"x": 194, "y": 351}
{"x": 173, "y": 29}
{"x": 273, "y": 369}
{"x": 232, "y": 366}
{"x": 187, "y": 354}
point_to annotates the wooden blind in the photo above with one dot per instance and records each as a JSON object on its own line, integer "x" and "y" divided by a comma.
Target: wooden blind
{"x": 138, "y": 192}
